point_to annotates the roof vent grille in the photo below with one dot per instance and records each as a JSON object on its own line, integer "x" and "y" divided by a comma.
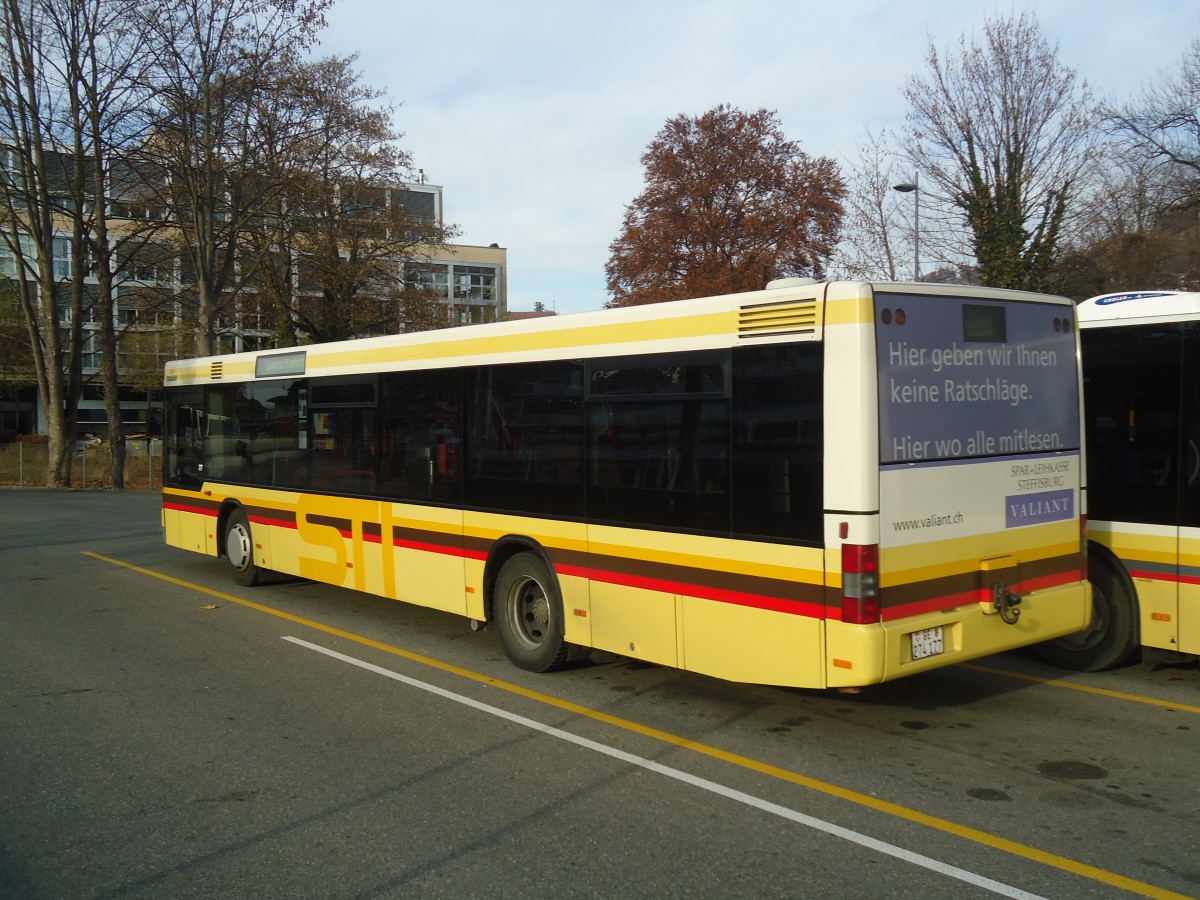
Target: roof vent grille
{"x": 771, "y": 319}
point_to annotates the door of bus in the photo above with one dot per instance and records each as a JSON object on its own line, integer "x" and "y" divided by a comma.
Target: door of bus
{"x": 1189, "y": 496}
{"x": 1132, "y": 410}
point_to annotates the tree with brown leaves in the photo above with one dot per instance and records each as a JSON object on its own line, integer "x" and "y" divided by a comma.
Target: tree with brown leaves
{"x": 729, "y": 204}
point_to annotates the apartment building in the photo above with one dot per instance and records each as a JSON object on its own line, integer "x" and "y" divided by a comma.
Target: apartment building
{"x": 468, "y": 283}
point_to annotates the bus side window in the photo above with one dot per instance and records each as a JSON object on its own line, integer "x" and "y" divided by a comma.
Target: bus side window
{"x": 1189, "y": 502}
{"x": 778, "y": 444}
{"x": 421, "y": 435}
{"x": 524, "y": 437}
{"x": 1131, "y": 405}
{"x": 659, "y": 441}
{"x": 343, "y": 455}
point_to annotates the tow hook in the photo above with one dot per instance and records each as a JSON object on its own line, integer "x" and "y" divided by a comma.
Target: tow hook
{"x": 1006, "y": 603}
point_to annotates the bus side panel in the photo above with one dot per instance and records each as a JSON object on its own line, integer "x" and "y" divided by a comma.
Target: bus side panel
{"x": 635, "y": 622}
{"x": 1149, "y": 555}
{"x": 425, "y": 555}
{"x": 282, "y": 543}
{"x": 632, "y": 594}
{"x": 408, "y": 553}
{"x": 189, "y": 521}
{"x": 739, "y": 610}
{"x": 757, "y": 646}
{"x": 1189, "y": 591}
{"x": 186, "y": 530}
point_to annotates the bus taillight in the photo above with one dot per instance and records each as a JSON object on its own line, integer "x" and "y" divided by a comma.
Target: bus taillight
{"x": 860, "y": 584}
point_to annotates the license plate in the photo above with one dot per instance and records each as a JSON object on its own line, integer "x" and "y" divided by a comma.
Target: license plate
{"x": 927, "y": 642}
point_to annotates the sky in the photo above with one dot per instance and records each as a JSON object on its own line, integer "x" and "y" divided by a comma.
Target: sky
{"x": 533, "y": 114}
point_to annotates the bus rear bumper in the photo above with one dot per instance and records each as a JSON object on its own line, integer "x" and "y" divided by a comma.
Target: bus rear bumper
{"x": 857, "y": 655}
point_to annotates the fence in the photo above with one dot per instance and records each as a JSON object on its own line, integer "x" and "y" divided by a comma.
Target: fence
{"x": 23, "y": 464}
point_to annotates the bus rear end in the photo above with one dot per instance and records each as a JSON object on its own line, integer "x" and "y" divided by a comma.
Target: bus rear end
{"x": 971, "y": 540}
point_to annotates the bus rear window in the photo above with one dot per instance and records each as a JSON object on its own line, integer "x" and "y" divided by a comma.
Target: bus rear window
{"x": 984, "y": 324}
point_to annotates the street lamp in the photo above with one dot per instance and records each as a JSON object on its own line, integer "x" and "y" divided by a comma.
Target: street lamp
{"x": 913, "y": 187}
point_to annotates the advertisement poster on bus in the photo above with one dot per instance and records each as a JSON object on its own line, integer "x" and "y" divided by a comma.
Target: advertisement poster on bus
{"x": 978, "y": 415}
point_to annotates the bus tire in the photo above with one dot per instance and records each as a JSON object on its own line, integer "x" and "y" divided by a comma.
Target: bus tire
{"x": 1111, "y": 638}
{"x": 529, "y": 616}
{"x": 239, "y": 549}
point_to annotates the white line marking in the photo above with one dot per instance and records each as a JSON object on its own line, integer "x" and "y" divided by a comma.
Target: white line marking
{"x": 704, "y": 784}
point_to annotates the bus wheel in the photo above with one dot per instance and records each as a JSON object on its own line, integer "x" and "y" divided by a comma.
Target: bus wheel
{"x": 239, "y": 549}
{"x": 529, "y": 615}
{"x": 1110, "y": 638}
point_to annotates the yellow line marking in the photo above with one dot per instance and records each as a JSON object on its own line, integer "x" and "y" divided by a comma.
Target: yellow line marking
{"x": 1087, "y": 689}
{"x": 966, "y": 832}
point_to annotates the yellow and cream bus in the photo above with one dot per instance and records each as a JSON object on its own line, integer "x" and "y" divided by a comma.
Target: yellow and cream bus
{"x": 817, "y": 485}
{"x": 1141, "y": 369}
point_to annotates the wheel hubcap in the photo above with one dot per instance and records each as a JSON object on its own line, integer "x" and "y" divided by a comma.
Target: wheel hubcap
{"x": 237, "y": 546}
{"x": 529, "y": 612}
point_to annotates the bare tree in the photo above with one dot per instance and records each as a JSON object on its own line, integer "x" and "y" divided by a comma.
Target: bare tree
{"x": 217, "y": 63}
{"x": 729, "y": 204}
{"x": 31, "y": 194}
{"x": 331, "y": 249}
{"x": 1164, "y": 124}
{"x": 100, "y": 66}
{"x": 1138, "y": 215}
{"x": 1001, "y": 133}
{"x": 1134, "y": 231}
{"x": 875, "y": 231}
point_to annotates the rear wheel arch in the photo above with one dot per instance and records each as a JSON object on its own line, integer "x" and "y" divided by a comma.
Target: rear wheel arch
{"x": 233, "y": 525}
{"x": 501, "y": 552}
{"x": 525, "y": 605}
{"x": 1113, "y": 635}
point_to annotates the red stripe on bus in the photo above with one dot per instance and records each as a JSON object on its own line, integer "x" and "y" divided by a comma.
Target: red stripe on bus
{"x": 443, "y": 549}
{"x": 1163, "y": 576}
{"x": 949, "y": 601}
{"x": 1048, "y": 581}
{"x": 278, "y": 523}
{"x": 182, "y": 507}
{"x": 737, "y": 598}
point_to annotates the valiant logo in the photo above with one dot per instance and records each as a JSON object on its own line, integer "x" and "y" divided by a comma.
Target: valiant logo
{"x": 1033, "y": 509}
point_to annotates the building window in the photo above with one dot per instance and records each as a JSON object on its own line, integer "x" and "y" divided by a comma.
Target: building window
{"x": 431, "y": 277}
{"x": 11, "y": 171}
{"x": 421, "y": 205}
{"x": 8, "y": 261}
{"x": 91, "y": 350}
{"x": 475, "y": 284}
{"x": 62, "y": 257}
{"x": 148, "y": 263}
